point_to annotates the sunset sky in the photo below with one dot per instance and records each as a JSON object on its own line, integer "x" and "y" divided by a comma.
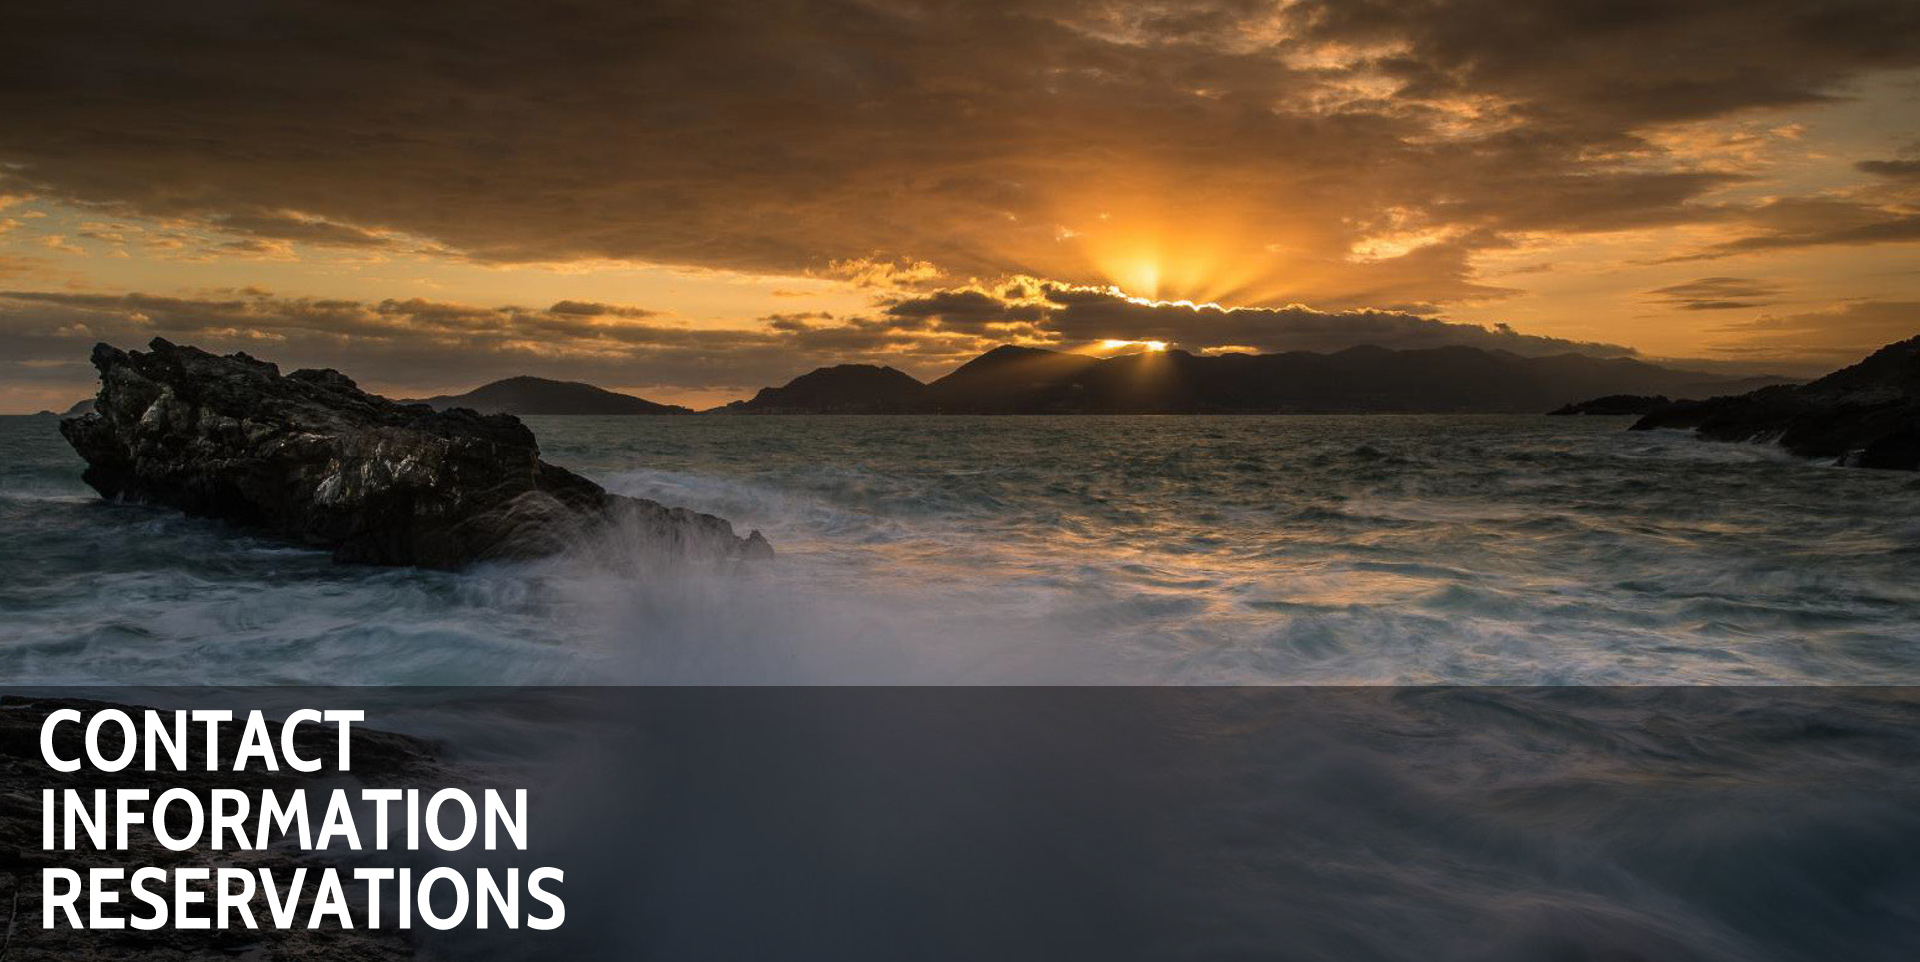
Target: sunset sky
{"x": 688, "y": 201}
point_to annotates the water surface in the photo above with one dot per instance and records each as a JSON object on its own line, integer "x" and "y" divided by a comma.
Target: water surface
{"x": 1179, "y": 550}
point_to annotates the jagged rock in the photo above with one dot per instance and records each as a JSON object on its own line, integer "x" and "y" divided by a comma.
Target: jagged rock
{"x": 1867, "y": 415}
{"x": 311, "y": 457}
{"x": 1614, "y": 404}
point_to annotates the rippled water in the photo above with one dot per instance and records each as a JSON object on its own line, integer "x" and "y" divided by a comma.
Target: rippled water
{"x": 1523, "y": 550}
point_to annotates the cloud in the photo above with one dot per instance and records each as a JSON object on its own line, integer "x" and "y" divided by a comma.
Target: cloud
{"x": 921, "y": 143}
{"x": 416, "y": 347}
{"x": 1904, "y": 228}
{"x": 58, "y": 243}
{"x": 1717, "y": 293}
{"x": 1072, "y": 316}
{"x": 251, "y": 248}
{"x": 288, "y": 226}
{"x": 1895, "y": 169}
{"x": 1805, "y": 222}
{"x": 1904, "y": 167}
{"x": 419, "y": 347}
{"x": 596, "y": 309}
{"x": 109, "y": 233}
{"x": 974, "y": 311}
{"x": 1841, "y": 333}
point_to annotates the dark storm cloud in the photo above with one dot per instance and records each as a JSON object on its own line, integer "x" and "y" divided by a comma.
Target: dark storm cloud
{"x": 790, "y": 135}
{"x": 1896, "y": 169}
{"x": 1608, "y": 65}
{"x": 1073, "y": 316}
{"x": 1718, "y": 293}
{"x": 967, "y": 310}
{"x": 597, "y": 309}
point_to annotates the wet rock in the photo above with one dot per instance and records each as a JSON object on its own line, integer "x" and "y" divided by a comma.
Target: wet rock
{"x": 1867, "y": 415}
{"x": 310, "y": 457}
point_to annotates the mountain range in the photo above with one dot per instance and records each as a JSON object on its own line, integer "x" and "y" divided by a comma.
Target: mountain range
{"x": 1027, "y": 380}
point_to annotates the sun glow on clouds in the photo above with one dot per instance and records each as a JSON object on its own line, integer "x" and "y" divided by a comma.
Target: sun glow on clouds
{"x": 1217, "y": 176}
{"x": 1187, "y": 262}
{"x": 1153, "y": 347}
{"x": 1121, "y": 293}
{"x": 1125, "y": 227}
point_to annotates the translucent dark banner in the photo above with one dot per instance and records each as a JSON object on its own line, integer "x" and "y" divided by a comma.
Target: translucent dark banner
{"x": 995, "y": 823}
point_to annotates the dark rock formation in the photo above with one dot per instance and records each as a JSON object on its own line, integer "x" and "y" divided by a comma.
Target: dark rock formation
{"x": 1614, "y": 404}
{"x": 1867, "y": 415}
{"x": 310, "y": 457}
{"x": 540, "y": 396}
{"x": 82, "y": 406}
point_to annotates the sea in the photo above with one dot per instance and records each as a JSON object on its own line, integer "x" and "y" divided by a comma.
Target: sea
{"x": 1399, "y": 688}
{"x": 1407, "y": 550}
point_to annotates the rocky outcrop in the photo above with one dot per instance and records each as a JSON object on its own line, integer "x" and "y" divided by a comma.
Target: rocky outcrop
{"x": 310, "y": 457}
{"x": 1614, "y": 404}
{"x": 1867, "y": 415}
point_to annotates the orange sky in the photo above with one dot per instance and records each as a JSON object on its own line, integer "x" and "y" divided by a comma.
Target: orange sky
{"x": 689, "y": 201}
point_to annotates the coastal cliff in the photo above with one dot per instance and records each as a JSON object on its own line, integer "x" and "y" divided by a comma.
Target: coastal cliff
{"x": 1866, "y": 415}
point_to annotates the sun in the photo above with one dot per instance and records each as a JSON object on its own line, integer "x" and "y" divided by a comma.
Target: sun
{"x": 1152, "y": 347}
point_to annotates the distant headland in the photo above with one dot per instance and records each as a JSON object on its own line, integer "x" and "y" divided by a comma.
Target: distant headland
{"x": 526, "y": 395}
{"x": 1866, "y": 415}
